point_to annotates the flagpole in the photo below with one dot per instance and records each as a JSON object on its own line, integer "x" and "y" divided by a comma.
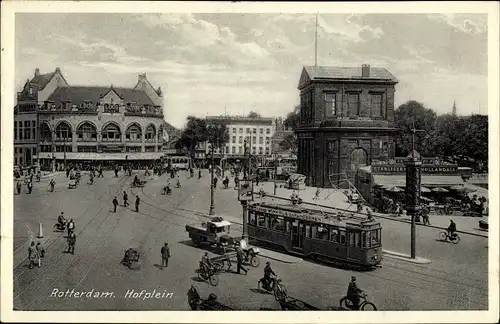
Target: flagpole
{"x": 316, "y": 43}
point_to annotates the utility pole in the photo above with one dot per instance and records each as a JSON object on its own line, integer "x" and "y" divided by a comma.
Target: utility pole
{"x": 212, "y": 205}
{"x": 413, "y": 182}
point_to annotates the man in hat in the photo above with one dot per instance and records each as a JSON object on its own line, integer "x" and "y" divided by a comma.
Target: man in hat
{"x": 353, "y": 292}
{"x": 137, "y": 202}
{"x": 193, "y": 297}
{"x": 115, "y": 204}
{"x": 267, "y": 274}
{"x": 165, "y": 255}
{"x": 125, "y": 199}
{"x": 71, "y": 243}
{"x": 18, "y": 187}
{"x": 239, "y": 258}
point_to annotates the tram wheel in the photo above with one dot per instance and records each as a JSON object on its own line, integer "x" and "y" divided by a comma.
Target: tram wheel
{"x": 368, "y": 306}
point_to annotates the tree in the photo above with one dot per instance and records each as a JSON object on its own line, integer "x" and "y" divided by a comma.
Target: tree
{"x": 409, "y": 114}
{"x": 292, "y": 120}
{"x": 290, "y": 143}
{"x": 253, "y": 114}
{"x": 194, "y": 133}
{"x": 217, "y": 134}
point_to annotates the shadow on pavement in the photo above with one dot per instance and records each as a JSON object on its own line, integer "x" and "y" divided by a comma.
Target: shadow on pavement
{"x": 259, "y": 291}
{"x": 197, "y": 279}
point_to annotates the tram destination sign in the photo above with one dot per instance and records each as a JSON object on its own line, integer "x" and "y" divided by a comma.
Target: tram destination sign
{"x": 452, "y": 169}
{"x": 286, "y": 213}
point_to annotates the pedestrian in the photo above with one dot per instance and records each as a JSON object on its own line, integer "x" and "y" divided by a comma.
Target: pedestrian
{"x": 115, "y": 203}
{"x": 199, "y": 173}
{"x": 18, "y": 187}
{"x": 100, "y": 175}
{"x": 425, "y": 216}
{"x": 32, "y": 255}
{"x": 215, "y": 182}
{"x": 257, "y": 180}
{"x": 165, "y": 255}
{"x": 30, "y": 187}
{"x": 125, "y": 199}
{"x": 239, "y": 258}
{"x": 71, "y": 227}
{"x": 67, "y": 172}
{"x": 116, "y": 172}
{"x": 137, "y": 202}
{"x": 71, "y": 243}
{"x": 41, "y": 253}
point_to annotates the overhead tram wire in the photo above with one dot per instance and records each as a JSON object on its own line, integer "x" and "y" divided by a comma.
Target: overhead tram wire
{"x": 76, "y": 256}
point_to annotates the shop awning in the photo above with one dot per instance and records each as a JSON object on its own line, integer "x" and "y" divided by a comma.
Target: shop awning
{"x": 91, "y": 156}
{"x": 427, "y": 180}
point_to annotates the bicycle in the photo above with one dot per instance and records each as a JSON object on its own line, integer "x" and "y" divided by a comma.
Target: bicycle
{"x": 346, "y": 303}
{"x": 454, "y": 238}
{"x": 275, "y": 286}
{"x": 211, "y": 276}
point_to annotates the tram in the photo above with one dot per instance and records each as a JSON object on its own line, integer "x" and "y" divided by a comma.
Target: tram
{"x": 331, "y": 237}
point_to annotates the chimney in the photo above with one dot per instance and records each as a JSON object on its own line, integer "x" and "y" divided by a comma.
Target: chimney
{"x": 365, "y": 70}
{"x": 37, "y": 72}
{"x": 58, "y": 70}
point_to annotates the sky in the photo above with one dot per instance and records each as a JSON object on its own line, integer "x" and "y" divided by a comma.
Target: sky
{"x": 213, "y": 64}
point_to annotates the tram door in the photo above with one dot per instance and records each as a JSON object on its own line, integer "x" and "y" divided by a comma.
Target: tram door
{"x": 354, "y": 245}
{"x": 297, "y": 233}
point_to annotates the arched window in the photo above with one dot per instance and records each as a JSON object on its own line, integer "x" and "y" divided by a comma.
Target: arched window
{"x": 63, "y": 131}
{"x": 150, "y": 133}
{"x": 111, "y": 133}
{"x": 133, "y": 133}
{"x": 87, "y": 132}
{"x": 45, "y": 133}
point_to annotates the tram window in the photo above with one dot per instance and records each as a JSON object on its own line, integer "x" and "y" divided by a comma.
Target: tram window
{"x": 367, "y": 239}
{"x": 252, "y": 220}
{"x": 320, "y": 232}
{"x": 375, "y": 237}
{"x": 308, "y": 231}
{"x": 342, "y": 237}
{"x": 357, "y": 237}
{"x": 334, "y": 236}
{"x": 261, "y": 220}
{"x": 351, "y": 239}
{"x": 278, "y": 224}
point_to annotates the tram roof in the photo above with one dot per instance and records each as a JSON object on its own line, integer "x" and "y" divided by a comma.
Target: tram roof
{"x": 337, "y": 218}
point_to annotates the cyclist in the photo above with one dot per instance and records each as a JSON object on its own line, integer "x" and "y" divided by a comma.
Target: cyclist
{"x": 267, "y": 274}
{"x": 452, "y": 228}
{"x": 353, "y": 292}
{"x": 206, "y": 264}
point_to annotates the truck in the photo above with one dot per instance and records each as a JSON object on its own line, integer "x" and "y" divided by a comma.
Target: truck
{"x": 213, "y": 232}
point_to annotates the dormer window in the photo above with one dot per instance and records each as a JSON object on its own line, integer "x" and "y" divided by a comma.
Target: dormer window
{"x": 31, "y": 91}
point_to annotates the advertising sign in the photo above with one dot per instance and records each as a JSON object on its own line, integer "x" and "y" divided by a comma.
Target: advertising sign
{"x": 245, "y": 190}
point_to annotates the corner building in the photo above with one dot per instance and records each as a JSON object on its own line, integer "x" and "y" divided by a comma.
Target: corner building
{"x": 346, "y": 121}
{"x": 88, "y": 124}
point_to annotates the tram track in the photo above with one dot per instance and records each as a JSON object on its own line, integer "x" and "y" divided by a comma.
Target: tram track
{"x": 70, "y": 263}
{"x": 89, "y": 193}
{"x": 422, "y": 277}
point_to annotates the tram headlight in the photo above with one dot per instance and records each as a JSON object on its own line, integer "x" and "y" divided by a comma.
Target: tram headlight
{"x": 375, "y": 257}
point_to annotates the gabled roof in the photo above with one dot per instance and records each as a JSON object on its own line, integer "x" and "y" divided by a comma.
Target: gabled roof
{"x": 80, "y": 94}
{"x": 311, "y": 73}
{"x": 41, "y": 80}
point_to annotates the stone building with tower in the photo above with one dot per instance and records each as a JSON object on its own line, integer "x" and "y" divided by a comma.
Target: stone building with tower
{"x": 57, "y": 123}
{"x": 346, "y": 121}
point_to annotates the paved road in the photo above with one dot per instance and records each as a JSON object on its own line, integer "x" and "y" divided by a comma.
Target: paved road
{"x": 456, "y": 279}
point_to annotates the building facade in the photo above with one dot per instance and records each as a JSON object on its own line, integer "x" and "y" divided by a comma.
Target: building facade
{"x": 71, "y": 124}
{"x": 256, "y": 131}
{"x": 346, "y": 121}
